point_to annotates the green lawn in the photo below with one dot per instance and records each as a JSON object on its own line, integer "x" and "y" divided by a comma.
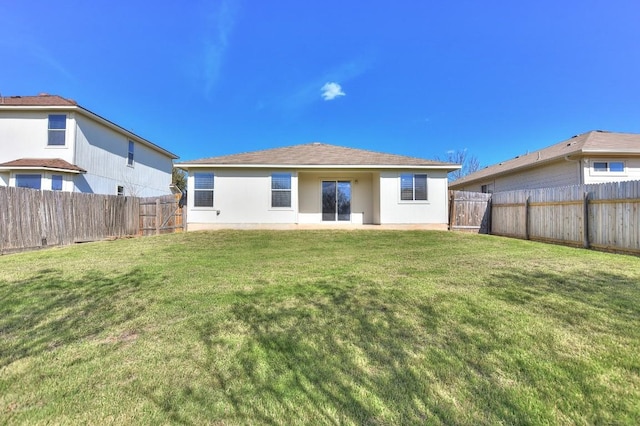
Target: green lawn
{"x": 319, "y": 327}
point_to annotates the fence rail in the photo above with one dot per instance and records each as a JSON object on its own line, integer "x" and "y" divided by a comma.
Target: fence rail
{"x": 32, "y": 219}
{"x": 601, "y": 216}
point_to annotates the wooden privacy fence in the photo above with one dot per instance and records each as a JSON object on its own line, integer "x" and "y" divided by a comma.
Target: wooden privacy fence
{"x": 601, "y": 216}
{"x": 33, "y": 219}
{"x": 161, "y": 215}
{"x": 469, "y": 211}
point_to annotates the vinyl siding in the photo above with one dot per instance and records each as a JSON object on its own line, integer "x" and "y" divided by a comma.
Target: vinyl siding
{"x": 561, "y": 173}
{"x": 103, "y": 153}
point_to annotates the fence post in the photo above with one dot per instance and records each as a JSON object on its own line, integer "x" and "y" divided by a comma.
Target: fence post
{"x": 585, "y": 221}
{"x": 489, "y": 214}
{"x": 158, "y": 216}
{"x": 452, "y": 209}
{"x": 526, "y": 218}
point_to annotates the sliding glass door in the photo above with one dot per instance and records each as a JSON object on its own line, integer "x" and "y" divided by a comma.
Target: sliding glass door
{"x": 336, "y": 200}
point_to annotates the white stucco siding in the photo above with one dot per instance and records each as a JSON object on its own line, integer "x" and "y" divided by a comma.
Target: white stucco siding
{"x": 375, "y": 197}
{"x": 24, "y": 134}
{"x": 103, "y": 153}
{"x": 393, "y": 210}
{"x": 243, "y": 197}
{"x": 631, "y": 170}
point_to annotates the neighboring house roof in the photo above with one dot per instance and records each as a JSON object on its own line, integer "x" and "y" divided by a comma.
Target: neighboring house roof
{"x": 594, "y": 142}
{"x": 42, "y": 99}
{"x": 55, "y": 102}
{"x": 317, "y": 155}
{"x": 57, "y": 164}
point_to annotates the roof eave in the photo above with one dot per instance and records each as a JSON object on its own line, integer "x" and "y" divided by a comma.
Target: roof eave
{"x": 39, "y": 168}
{"x": 447, "y": 167}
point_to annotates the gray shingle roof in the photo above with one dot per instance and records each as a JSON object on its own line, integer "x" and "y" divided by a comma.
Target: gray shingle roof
{"x": 316, "y": 154}
{"x": 595, "y": 141}
{"x": 42, "y": 99}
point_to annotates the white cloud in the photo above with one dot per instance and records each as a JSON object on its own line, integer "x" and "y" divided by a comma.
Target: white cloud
{"x": 331, "y": 91}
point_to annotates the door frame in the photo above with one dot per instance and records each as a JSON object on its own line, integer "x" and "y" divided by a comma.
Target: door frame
{"x": 336, "y": 180}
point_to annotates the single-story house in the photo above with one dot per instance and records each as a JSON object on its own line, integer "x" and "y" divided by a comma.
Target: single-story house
{"x": 592, "y": 157}
{"x": 316, "y": 184}
{"x": 52, "y": 143}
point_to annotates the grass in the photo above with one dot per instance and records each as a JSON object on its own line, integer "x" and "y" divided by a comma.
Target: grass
{"x": 319, "y": 327}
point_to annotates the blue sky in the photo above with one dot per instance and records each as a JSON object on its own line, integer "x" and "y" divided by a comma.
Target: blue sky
{"x": 420, "y": 78}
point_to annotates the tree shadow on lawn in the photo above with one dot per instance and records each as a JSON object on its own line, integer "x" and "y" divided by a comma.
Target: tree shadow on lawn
{"x": 48, "y": 310}
{"x": 353, "y": 354}
{"x": 571, "y": 298}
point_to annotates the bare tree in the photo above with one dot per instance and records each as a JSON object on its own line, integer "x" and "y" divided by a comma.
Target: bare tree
{"x": 468, "y": 162}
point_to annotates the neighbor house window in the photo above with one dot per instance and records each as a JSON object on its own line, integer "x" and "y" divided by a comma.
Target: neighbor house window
{"x": 203, "y": 189}
{"x": 28, "y": 181}
{"x": 608, "y": 166}
{"x": 281, "y": 190}
{"x": 413, "y": 187}
{"x": 56, "y": 182}
{"x": 130, "y": 154}
{"x": 486, "y": 189}
{"x": 57, "y": 129}
{"x": 120, "y": 190}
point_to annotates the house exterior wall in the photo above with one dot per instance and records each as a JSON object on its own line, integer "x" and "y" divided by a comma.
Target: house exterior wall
{"x": 103, "y": 153}
{"x": 242, "y": 197}
{"x": 375, "y": 187}
{"x": 46, "y": 179}
{"x": 25, "y": 135}
{"x": 562, "y": 173}
{"x": 395, "y": 211}
{"x": 90, "y": 145}
{"x": 631, "y": 172}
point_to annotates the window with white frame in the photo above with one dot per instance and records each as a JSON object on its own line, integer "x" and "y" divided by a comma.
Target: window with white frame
{"x": 120, "y": 191}
{"x": 203, "y": 189}
{"x": 56, "y": 182}
{"x": 281, "y": 190}
{"x": 413, "y": 187}
{"x": 608, "y": 166}
{"x": 57, "y": 129}
{"x": 32, "y": 181}
{"x": 130, "y": 154}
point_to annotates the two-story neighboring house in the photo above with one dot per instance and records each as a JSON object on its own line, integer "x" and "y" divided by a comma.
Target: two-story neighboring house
{"x": 52, "y": 143}
{"x": 592, "y": 157}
